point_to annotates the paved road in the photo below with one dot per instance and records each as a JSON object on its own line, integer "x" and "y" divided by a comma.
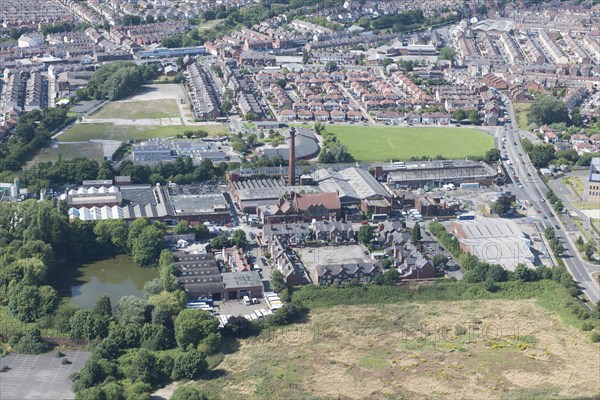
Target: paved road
{"x": 534, "y": 191}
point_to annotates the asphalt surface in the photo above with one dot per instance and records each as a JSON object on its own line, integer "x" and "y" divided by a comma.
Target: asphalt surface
{"x": 39, "y": 377}
{"x": 534, "y": 190}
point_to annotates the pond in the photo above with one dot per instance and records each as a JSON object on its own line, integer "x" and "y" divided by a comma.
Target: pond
{"x": 117, "y": 277}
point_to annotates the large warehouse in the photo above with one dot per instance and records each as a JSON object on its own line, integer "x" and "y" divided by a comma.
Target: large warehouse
{"x": 417, "y": 174}
{"x": 494, "y": 240}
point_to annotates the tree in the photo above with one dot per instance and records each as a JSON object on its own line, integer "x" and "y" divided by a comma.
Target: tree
{"x": 523, "y": 273}
{"x": 192, "y": 326}
{"x": 282, "y": 83}
{"x": 391, "y": 276}
{"x": 473, "y": 116}
{"x": 131, "y": 310}
{"x": 147, "y": 246}
{"x": 24, "y": 132}
{"x": 277, "y": 281}
{"x": 589, "y": 250}
{"x": 187, "y": 392}
{"x": 365, "y": 234}
{"x": 142, "y": 368}
{"x": 416, "y": 233}
{"x": 171, "y": 302}
{"x": 501, "y": 206}
{"x": 459, "y": 115}
{"x": 541, "y": 155}
{"x": 220, "y": 242}
{"x": 183, "y": 227}
{"x": 189, "y": 365}
{"x": 202, "y": 232}
{"x": 239, "y": 238}
{"x": 547, "y": 110}
{"x": 558, "y": 205}
{"x": 447, "y": 53}
{"x": 331, "y": 66}
{"x": 156, "y": 337}
{"x": 30, "y": 343}
{"x": 238, "y": 327}
{"x": 103, "y": 306}
{"x": 492, "y": 156}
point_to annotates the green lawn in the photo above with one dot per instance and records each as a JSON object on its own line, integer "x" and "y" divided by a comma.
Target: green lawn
{"x": 139, "y": 110}
{"x": 521, "y": 110}
{"x": 85, "y": 132}
{"x": 69, "y": 151}
{"x": 210, "y": 24}
{"x": 380, "y": 143}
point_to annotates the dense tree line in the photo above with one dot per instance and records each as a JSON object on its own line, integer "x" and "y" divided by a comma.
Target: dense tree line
{"x": 117, "y": 80}
{"x": 62, "y": 26}
{"x": 181, "y": 171}
{"x": 333, "y": 151}
{"x": 33, "y": 132}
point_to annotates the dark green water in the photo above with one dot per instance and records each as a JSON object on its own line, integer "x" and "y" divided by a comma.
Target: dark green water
{"x": 117, "y": 277}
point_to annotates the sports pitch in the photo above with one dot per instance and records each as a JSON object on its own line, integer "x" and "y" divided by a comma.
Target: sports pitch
{"x": 381, "y": 143}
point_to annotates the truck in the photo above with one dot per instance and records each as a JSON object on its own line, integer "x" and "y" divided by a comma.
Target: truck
{"x": 465, "y": 217}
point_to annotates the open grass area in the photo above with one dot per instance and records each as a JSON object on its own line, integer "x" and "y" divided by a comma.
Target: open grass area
{"x": 492, "y": 349}
{"x": 138, "y": 110}
{"x": 205, "y": 26}
{"x": 381, "y": 143}
{"x": 69, "y": 151}
{"x": 521, "y": 110}
{"x": 576, "y": 184}
{"x": 85, "y": 132}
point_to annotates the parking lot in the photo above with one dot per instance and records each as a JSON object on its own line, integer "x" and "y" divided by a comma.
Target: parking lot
{"x": 39, "y": 377}
{"x": 237, "y": 307}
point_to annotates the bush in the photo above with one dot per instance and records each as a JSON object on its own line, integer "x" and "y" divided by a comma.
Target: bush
{"x": 595, "y": 337}
{"x": 238, "y": 327}
{"x": 586, "y": 327}
{"x": 187, "y": 392}
{"x": 189, "y": 365}
{"x": 138, "y": 391}
{"x": 460, "y": 330}
{"x": 30, "y": 343}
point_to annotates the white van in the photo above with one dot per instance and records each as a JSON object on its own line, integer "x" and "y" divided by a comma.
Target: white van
{"x": 247, "y": 300}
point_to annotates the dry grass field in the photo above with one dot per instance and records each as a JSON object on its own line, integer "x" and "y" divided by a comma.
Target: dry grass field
{"x": 483, "y": 349}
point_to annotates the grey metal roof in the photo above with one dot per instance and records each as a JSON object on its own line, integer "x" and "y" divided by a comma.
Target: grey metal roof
{"x": 363, "y": 183}
{"x": 331, "y": 181}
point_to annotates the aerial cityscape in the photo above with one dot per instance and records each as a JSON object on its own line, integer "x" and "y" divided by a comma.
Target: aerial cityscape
{"x": 299, "y": 199}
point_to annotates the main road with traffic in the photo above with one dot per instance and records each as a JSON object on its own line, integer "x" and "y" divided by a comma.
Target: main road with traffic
{"x": 529, "y": 186}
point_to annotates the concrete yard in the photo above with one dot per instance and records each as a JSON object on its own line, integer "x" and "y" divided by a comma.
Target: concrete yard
{"x": 312, "y": 256}
{"x": 39, "y": 377}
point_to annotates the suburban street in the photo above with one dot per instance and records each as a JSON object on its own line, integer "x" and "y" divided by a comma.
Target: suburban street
{"x": 534, "y": 191}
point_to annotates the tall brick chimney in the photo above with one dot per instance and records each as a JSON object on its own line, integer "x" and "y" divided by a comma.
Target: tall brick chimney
{"x": 292, "y": 160}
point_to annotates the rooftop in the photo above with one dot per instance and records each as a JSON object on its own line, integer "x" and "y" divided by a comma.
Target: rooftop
{"x": 244, "y": 279}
